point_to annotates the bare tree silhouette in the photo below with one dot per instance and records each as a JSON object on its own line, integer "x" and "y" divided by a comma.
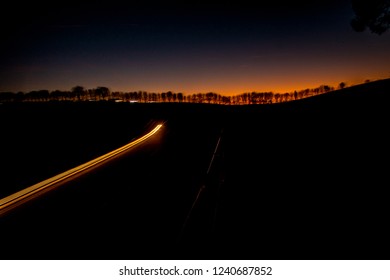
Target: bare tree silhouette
{"x": 78, "y": 91}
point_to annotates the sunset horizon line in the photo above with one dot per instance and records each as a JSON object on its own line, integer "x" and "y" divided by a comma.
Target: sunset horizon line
{"x": 231, "y": 93}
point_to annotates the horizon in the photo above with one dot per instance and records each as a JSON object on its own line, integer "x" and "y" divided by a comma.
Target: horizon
{"x": 332, "y": 88}
{"x": 226, "y": 49}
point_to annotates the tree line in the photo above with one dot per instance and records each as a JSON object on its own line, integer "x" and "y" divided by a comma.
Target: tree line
{"x": 80, "y": 93}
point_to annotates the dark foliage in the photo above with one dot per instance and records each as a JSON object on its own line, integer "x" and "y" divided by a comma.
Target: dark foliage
{"x": 374, "y": 15}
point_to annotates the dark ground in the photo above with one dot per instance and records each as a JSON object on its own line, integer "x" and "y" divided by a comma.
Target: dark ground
{"x": 300, "y": 180}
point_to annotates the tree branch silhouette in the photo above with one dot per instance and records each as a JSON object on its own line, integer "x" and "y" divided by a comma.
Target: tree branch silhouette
{"x": 371, "y": 14}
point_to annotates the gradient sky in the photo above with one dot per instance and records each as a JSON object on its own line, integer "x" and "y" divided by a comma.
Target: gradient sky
{"x": 228, "y": 48}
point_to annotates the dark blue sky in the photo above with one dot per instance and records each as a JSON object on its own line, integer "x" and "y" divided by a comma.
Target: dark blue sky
{"x": 228, "y": 48}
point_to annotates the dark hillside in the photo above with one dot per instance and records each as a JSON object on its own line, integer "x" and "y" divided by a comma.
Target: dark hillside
{"x": 307, "y": 179}
{"x": 364, "y": 98}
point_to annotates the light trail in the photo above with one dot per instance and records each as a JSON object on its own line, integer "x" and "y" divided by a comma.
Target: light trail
{"x": 22, "y": 196}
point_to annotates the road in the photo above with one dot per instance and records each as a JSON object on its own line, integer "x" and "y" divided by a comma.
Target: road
{"x": 20, "y": 197}
{"x": 133, "y": 207}
{"x": 277, "y": 189}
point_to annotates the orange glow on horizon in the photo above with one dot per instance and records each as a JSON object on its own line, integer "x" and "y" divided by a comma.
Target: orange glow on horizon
{"x": 237, "y": 86}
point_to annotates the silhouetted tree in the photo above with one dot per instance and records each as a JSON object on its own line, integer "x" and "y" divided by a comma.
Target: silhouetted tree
{"x": 180, "y": 97}
{"x": 78, "y": 91}
{"x": 169, "y": 96}
{"x": 277, "y": 95}
{"x": 200, "y": 97}
{"x": 7, "y": 96}
{"x": 209, "y": 97}
{"x": 295, "y": 95}
{"x": 91, "y": 94}
{"x": 102, "y": 92}
{"x": 135, "y": 96}
{"x": 154, "y": 97}
{"x": 286, "y": 96}
{"x": 226, "y": 100}
{"x": 43, "y": 95}
{"x": 38, "y": 95}
{"x": 145, "y": 96}
{"x": 56, "y": 95}
{"x": 342, "y": 85}
{"x": 371, "y": 14}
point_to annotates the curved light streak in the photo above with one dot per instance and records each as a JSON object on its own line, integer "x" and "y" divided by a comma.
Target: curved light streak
{"x": 18, "y": 197}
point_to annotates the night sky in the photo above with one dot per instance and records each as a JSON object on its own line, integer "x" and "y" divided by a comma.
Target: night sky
{"x": 189, "y": 47}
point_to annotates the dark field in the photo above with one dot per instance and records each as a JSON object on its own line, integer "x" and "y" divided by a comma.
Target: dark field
{"x": 299, "y": 180}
